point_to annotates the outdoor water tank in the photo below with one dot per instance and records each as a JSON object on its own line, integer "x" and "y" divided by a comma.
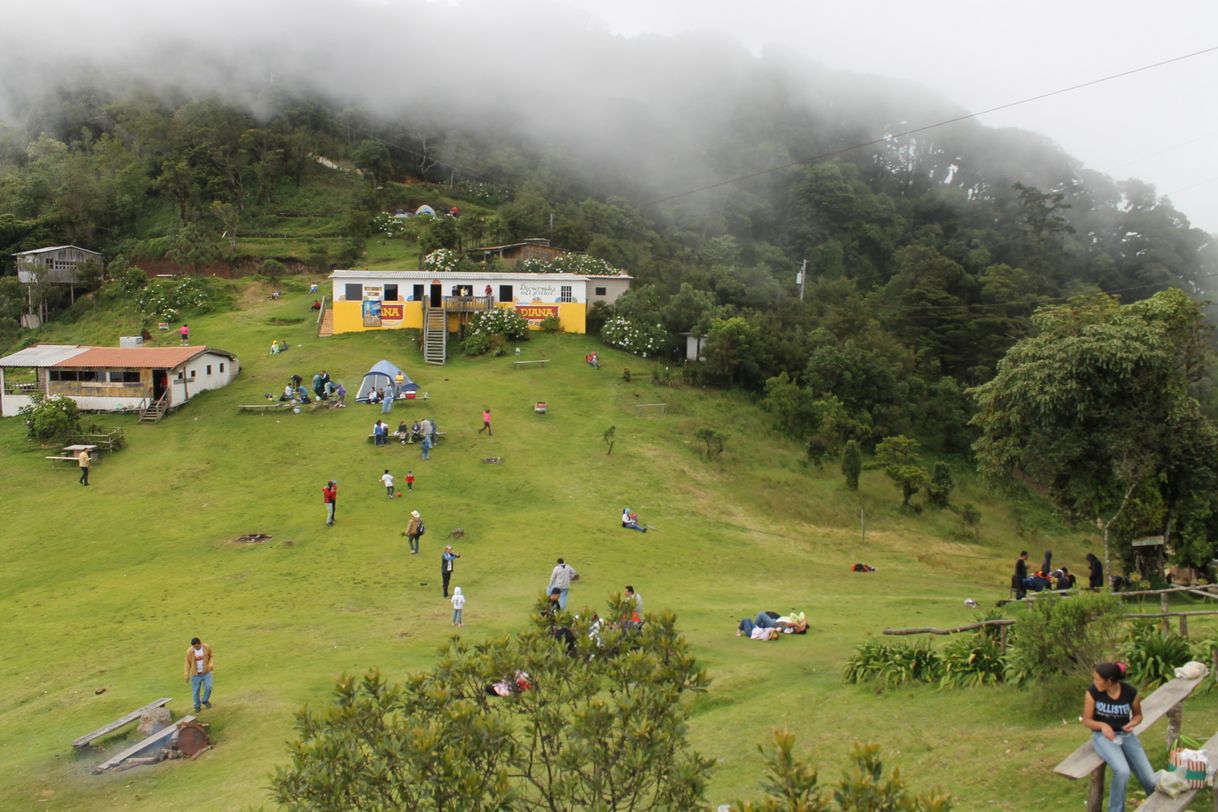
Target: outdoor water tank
{"x": 131, "y": 341}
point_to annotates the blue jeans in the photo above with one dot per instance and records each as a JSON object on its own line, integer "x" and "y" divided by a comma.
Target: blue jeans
{"x": 1123, "y": 755}
{"x": 387, "y": 404}
{"x": 426, "y": 447}
{"x": 765, "y": 621}
{"x": 746, "y": 627}
{"x": 203, "y": 681}
{"x": 456, "y": 617}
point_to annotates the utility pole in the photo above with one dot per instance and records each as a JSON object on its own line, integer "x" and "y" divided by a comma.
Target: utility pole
{"x": 803, "y": 276}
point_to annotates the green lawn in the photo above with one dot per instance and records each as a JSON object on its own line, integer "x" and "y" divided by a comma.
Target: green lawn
{"x": 104, "y": 586}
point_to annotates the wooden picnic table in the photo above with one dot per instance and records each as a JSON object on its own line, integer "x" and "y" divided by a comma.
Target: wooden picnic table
{"x": 79, "y": 447}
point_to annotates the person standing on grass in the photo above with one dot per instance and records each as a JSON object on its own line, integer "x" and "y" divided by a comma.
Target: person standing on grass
{"x": 387, "y": 480}
{"x": 486, "y": 422}
{"x": 458, "y": 605}
{"x": 387, "y": 399}
{"x": 329, "y": 497}
{"x": 447, "y": 559}
{"x": 84, "y": 461}
{"x": 410, "y": 480}
{"x": 425, "y": 444}
{"x": 1111, "y": 710}
{"x": 198, "y": 672}
{"x": 184, "y": 332}
{"x": 1095, "y": 578}
{"x": 1019, "y": 580}
{"x": 560, "y": 578}
{"x": 414, "y": 529}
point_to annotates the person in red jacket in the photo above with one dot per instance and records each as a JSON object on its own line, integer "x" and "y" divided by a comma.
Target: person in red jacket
{"x": 329, "y": 495}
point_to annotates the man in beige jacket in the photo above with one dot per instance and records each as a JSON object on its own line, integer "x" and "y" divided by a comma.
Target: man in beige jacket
{"x": 198, "y": 672}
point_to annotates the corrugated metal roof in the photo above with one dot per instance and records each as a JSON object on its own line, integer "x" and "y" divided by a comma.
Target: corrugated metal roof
{"x": 42, "y": 355}
{"x": 141, "y": 357}
{"x": 455, "y": 277}
{"x": 53, "y": 248}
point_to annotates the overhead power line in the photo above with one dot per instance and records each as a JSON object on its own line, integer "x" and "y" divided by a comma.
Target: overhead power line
{"x": 915, "y": 130}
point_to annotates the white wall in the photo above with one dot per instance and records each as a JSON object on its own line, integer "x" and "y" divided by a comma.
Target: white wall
{"x": 184, "y": 389}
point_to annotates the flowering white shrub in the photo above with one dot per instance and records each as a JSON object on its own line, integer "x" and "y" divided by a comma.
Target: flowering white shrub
{"x": 568, "y": 263}
{"x": 581, "y": 264}
{"x": 168, "y": 299}
{"x": 507, "y": 323}
{"x": 441, "y": 260}
{"x": 387, "y": 224}
{"x": 640, "y": 339}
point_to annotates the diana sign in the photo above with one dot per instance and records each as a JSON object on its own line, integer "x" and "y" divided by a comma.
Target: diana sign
{"x": 535, "y": 313}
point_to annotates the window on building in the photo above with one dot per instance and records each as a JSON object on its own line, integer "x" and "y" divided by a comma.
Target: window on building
{"x": 416, "y": 292}
{"x": 564, "y": 294}
{"x": 354, "y": 292}
{"x": 601, "y": 291}
{"x": 505, "y": 293}
{"x": 124, "y": 376}
{"x": 209, "y": 369}
{"x": 222, "y": 367}
{"x": 192, "y": 374}
{"x": 391, "y": 293}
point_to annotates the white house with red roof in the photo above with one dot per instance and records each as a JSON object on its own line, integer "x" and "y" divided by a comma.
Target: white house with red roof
{"x": 107, "y": 379}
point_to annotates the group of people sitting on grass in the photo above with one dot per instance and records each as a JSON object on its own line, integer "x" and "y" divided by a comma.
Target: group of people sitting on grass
{"x": 771, "y": 625}
{"x": 1049, "y": 578}
{"x": 593, "y": 360}
{"x": 323, "y": 389}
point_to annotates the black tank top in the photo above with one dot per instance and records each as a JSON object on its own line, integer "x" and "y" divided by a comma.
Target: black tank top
{"x": 1115, "y": 713}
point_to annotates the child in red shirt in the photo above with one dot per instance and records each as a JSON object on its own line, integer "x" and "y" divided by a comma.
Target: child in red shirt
{"x": 410, "y": 480}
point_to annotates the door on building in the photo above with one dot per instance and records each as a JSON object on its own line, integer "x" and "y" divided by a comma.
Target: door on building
{"x": 437, "y": 293}
{"x": 160, "y": 383}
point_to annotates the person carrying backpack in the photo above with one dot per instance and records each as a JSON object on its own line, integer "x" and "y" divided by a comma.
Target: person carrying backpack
{"x": 414, "y": 530}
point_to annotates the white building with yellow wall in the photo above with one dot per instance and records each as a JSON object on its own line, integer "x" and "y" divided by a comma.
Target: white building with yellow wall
{"x": 390, "y": 300}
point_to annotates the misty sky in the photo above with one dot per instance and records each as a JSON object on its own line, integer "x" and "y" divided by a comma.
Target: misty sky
{"x": 1160, "y": 126}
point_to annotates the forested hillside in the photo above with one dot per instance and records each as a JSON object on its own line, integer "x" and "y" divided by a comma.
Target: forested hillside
{"x": 926, "y": 255}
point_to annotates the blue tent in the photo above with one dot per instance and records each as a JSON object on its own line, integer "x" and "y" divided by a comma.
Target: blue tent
{"x": 382, "y": 374}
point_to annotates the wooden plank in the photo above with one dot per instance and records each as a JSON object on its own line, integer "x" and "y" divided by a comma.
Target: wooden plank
{"x": 89, "y": 738}
{"x": 148, "y": 742}
{"x": 953, "y": 630}
{"x": 1158, "y": 802}
{"x": 1082, "y": 761}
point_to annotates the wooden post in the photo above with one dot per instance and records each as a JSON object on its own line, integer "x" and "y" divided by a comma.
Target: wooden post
{"x": 1173, "y": 723}
{"x": 1184, "y": 626}
{"x": 1095, "y": 794}
{"x": 1164, "y": 606}
{"x": 1002, "y": 641}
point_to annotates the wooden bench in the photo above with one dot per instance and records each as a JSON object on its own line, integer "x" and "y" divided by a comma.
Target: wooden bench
{"x": 160, "y": 735}
{"x": 54, "y": 458}
{"x": 519, "y": 364}
{"x": 89, "y": 738}
{"x": 1158, "y": 802}
{"x": 1165, "y": 701}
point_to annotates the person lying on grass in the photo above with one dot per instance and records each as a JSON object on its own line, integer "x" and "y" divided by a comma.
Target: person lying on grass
{"x": 794, "y": 623}
{"x": 755, "y": 632}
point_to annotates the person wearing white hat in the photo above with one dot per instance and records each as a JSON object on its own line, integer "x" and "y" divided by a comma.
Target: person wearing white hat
{"x": 413, "y": 530}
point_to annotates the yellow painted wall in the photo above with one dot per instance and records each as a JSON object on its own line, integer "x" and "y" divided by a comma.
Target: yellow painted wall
{"x": 348, "y": 317}
{"x": 573, "y": 317}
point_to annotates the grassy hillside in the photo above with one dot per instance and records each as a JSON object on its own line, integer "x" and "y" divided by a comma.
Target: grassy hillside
{"x": 104, "y": 586}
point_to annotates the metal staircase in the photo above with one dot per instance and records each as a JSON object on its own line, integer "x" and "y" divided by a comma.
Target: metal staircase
{"x": 435, "y": 335}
